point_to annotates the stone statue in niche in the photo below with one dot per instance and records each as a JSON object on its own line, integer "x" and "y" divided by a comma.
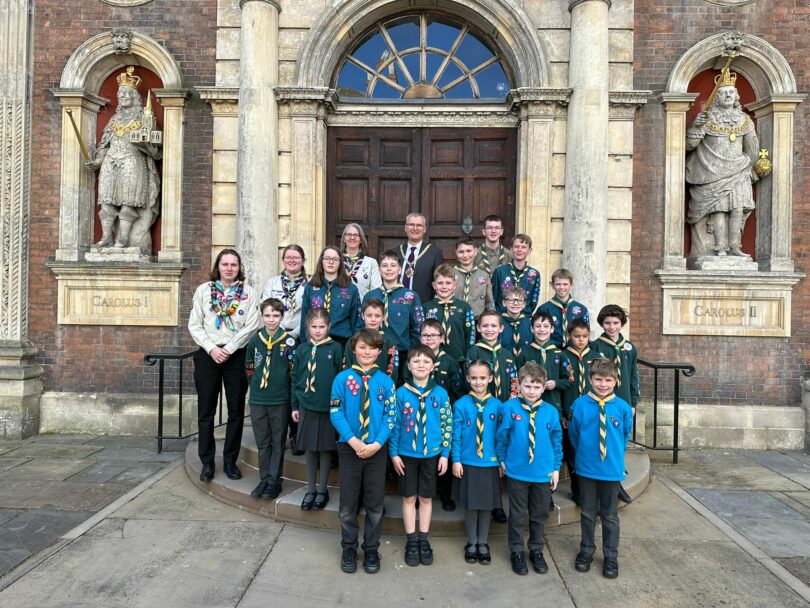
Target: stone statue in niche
{"x": 128, "y": 183}
{"x": 722, "y": 150}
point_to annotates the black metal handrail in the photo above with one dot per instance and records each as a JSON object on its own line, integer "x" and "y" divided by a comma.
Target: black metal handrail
{"x": 160, "y": 359}
{"x": 688, "y": 370}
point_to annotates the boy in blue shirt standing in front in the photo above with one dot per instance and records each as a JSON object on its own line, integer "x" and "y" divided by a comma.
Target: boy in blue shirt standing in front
{"x": 599, "y": 429}
{"x": 419, "y": 447}
{"x": 363, "y": 410}
{"x": 529, "y": 448}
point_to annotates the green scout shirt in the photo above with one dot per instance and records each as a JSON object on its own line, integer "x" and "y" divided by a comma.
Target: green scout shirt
{"x": 314, "y": 368}
{"x": 268, "y": 370}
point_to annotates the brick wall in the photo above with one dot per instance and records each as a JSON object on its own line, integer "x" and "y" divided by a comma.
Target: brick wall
{"x": 729, "y": 370}
{"x": 109, "y": 359}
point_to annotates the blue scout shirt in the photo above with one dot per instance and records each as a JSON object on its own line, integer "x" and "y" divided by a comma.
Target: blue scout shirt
{"x": 402, "y": 316}
{"x": 512, "y": 441}
{"x": 520, "y": 328}
{"x": 562, "y": 313}
{"x": 458, "y": 322}
{"x": 437, "y": 427}
{"x": 343, "y": 304}
{"x": 508, "y": 276}
{"x": 465, "y": 431}
{"x": 583, "y": 430}
{"x": 347, "y": 392}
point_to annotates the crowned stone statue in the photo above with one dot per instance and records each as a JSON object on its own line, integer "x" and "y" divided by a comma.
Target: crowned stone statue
{"x": 128, "y": 183}
{"x": 722, "y": 149}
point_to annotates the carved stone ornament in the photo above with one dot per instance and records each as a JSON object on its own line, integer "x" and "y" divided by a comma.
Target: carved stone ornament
{"x": 126, "y": 2}
{"x": 122, "y": 40}
{"x": 730, "y": 2}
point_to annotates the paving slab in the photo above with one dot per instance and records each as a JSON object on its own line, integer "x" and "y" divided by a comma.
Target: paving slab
{"x": 101, "y": 471}
{"x": 6, "y": 514}
{"x": 67, "y": 495}
{"x": 175, "y": 498}
{"x": 674, "y": 574}
{"x": 9, "y": 463}
{"x": 303, "y": 570}
{"x": 64, "y": 439}
{"x": 777, "y": 538}
{"x": 785, "y": 464}
{"x": 802, "y": 497}
{"x": 9, "y": 445}
{"x": 727, "y": 471}
{"x": 138, "y": 472}
{"x": 798, "y": 567}
{"x": 148, "y": 564}
{"x": 730, "y": 504}
{"x": 54, "y": 451}
{"x": 45, "y": 469}
{"x": 137, "y": 454}
{"x": 657, "y": 513}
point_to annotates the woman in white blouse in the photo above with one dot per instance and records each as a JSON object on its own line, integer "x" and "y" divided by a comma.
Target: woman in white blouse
{"x": 224, "y": 316}
{"x": 289, "y": 287}
{"x": 361, "y": 267}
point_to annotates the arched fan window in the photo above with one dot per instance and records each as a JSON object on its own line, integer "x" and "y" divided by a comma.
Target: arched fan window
{"x": 422, "y": 56}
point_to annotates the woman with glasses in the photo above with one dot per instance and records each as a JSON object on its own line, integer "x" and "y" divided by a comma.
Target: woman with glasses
{"x": 361, "y": 267}
{"x": 331, "y": 288}
{"x": 289, "y": 287}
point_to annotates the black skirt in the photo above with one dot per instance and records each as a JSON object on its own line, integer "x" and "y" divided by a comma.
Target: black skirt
{"x": 315, "y": 431}
{"x": 479, "y": 489}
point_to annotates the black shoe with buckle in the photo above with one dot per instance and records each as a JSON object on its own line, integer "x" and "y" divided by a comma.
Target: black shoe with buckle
{"x": 348, "y": 561}
{"x": 610, "y": 569}
{"x": 484, "y": 556}
{"x": 538, "y": 562}
{"x": 499, "y": 515}
{"x": 412, "y": 553}
{"x": 371, "y": 561}
{"x": 321, "y": 500}
{"x": 470, "y": 553}
{"x": 259, "y": 489}
{"x": 207, "y": 472}
{"x": 309, "y": 500}
{"x": 425, "y": 553}
{"x": 232, "y": 471}
{"x": 519, "y": 563}
{"x": 582, "y": 563}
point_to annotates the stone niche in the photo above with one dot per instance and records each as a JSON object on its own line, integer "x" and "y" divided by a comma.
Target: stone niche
{"x": 728, "y": 296}
{"x": 117, "y": 286}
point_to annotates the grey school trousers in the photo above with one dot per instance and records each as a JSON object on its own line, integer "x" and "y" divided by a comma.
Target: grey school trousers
{"x": 270, "y": 429}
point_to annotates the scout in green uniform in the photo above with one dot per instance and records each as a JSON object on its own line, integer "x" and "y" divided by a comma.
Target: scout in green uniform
{"x": 388, "y": 359}
{"x": 546, "y": 354}
{"x": 504, "y": 370}
{"x": 518, "y": 273}
{"x": 492, "y": 254}
{"x": 447, "y": 371}
{"x": 455, "y": 315}
{"x": 268, "y": 359}
{"x": 517, "y": 325}
{"x": 472, "y": 284}
{"x": 315, "y": 366}
{"x": 562, "y": 307}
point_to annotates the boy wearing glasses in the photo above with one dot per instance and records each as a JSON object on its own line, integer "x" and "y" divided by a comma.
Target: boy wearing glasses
{"x": 517, "y": 326}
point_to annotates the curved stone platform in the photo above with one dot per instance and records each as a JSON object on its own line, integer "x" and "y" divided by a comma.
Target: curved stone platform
{"x": 287, "y": 507}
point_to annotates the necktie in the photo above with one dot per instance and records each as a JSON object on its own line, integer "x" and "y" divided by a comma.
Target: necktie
{"x": 617, "y": 359}
{"x": 407, "y": 277}
{"x": 532, "y": 411}
{"x": 602, "y": 423}
{"x": 480, "y": 404}
{"x": 269, "y": 343}
{"x": 309, "y": 386}
{"x": 421, "y": 418}
{"x": 365, "y": 400}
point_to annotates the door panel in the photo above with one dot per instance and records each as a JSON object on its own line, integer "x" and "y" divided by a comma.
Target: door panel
{"x": 377, "y": 176}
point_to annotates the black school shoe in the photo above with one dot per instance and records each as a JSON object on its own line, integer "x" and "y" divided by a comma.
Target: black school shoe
{"x": 610, "y": 569}
{"x": 499, "y": 515}
{"x": 207, "y": 472}
{"x": 624, "y": 496}
{"x": 448, "y": 504}
{"x": 582, "y": 563}
{"x": 321, "y": 500}
{"x": 470, "y": 553}
{"x": 484, "y": 557}
{"x": 259, "y": 489}
{"x": 309, "y": 500}
{"x": 519, "y": 563}
{"x": 271, "y": 491}
{"x": 412, "y": 553}
{"x": 371, "y": 561}
{"x": 232, "y": 471}
{"x": 425, "y": 553}
{"x": 348, "y": 561}
{"x": 538, "y": 562}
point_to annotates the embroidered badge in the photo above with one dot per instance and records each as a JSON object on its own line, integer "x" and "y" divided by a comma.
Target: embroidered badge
{"x": 468, "y": 423}
{"x": 492, "y": 416}
{"x": 481, "y": 281}
{"x": 257, "y": 358}
{"x": 517, "y": 417}
{"x": 616, "y": 423}
{"x": 290, "y": 341}
{"x": 576, "y": 310}
{"x": 548, "y": 426}
{"x": 353, "y": 385}
{"x": 628, "y": 346}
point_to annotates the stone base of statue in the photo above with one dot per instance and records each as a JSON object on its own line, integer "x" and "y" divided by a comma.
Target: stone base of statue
{"x": 722, "y": 262}
{"x": 116, "y": 254}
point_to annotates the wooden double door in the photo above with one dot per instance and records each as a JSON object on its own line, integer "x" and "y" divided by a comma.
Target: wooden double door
{"x": 455, "y": 177}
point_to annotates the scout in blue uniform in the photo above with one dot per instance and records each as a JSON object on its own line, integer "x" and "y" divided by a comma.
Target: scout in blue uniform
{"x": 388, "y": 360}
{"x": 562, "y": 307}
{"x": 315, "y": 366}
{"x": 546, "y": 354}
{"x": 517, "y": 326}
{"x": 475, "y": 463}
{"x": 402, "y": 313}
{"x": 503, "y": 365}
{"x": 529, "y": 447}
{"x": 473, "y": 285}
{"x": 456, "y": 316}
{"x": 363, "y": 410}
{"x": 600, "y": 427}
{"x": 268, "y": 359}
{"x": 419, "y": 447}
{"x": 331, "y": 288}
{"x": 518, "y": 273}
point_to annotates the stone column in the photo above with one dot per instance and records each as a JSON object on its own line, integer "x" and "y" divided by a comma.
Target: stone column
{"x": 586, "y": 155}
{"x": 257, "y": 161}
{"x": 20, "y": 387}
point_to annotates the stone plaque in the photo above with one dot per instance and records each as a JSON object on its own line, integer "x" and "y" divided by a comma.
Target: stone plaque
{"x": 118, "y": 295}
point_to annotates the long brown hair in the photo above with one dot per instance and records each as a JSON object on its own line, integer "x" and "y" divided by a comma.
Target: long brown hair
{"x": 214, "y": 276}
{"x": 343, "y": 279}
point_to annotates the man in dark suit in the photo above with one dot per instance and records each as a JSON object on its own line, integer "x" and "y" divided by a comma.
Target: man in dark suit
{"x": 418, "y": 258}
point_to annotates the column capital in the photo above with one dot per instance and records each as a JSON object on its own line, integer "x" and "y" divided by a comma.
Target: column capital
{"x": 573, "y": 3}
{"x": 242, "y": 3}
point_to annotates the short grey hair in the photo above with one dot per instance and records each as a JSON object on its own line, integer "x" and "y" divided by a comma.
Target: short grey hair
{"x": 415, "y": 214}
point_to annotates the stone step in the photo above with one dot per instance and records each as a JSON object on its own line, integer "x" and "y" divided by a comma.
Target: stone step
{"x": 287, "y": 507}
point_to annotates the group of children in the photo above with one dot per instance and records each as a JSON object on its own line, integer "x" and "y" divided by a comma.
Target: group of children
{"x": 481, "y": 383}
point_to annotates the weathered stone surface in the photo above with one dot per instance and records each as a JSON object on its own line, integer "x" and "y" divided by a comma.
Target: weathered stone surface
{"x": 67, "y": 495}
{"x": 730, "y": 505}
{"x": 46, "y": 469}
{"x": 55, "y": 451}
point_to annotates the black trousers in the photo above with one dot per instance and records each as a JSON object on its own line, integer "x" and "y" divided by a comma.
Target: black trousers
{"x": 269, "y": 423}
{"x": 208, "y": 378}
{"x": 593, "y": 492}
{"x": 364, "y": 476}
{"x": 532, "y": 497}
